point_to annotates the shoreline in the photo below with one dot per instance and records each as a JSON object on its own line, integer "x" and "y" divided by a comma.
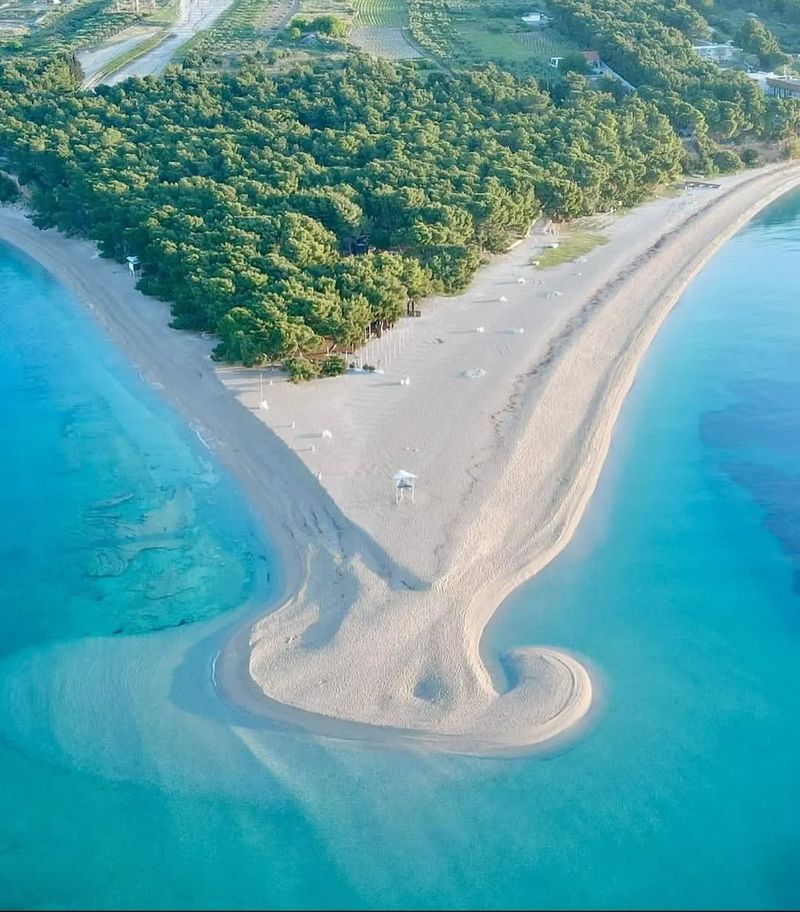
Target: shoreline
{"x": 386, "y": 605}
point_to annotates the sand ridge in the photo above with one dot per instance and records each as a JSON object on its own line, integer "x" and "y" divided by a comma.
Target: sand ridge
{"x": 383, "y": 606}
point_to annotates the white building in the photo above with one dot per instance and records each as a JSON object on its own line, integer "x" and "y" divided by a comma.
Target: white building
{"x": 537, "y": 20}
{"x": 783, "y": 87}
{"x": 710, "y": 51}
{"x": 775, "y": 84}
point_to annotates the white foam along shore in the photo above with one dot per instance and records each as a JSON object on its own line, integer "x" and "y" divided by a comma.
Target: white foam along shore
{"x": 382, "y": 605}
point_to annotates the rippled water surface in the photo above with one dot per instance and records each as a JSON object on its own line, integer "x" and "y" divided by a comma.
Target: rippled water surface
{"x": 124, "y": 783}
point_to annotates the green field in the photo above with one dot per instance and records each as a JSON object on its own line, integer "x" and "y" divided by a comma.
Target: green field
{"x": 493, "y": 30}
{"x": 384, "y": 13}
{"x": 470, "y": 32}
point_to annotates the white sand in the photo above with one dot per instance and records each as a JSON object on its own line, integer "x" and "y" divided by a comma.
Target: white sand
{"x": 384, "y": 605}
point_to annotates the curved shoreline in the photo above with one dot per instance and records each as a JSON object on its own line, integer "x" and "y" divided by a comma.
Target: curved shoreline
{"x": 720, "y": 219}
{"x": 329, "y": 553}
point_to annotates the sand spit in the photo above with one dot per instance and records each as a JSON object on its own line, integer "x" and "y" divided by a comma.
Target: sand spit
{"x": 383, "y": 605}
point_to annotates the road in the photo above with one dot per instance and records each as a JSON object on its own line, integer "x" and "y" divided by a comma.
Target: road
{"x": 193, "y": 17}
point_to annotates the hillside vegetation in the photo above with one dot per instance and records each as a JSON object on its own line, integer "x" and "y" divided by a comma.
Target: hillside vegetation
{"x": 649, "y": 42}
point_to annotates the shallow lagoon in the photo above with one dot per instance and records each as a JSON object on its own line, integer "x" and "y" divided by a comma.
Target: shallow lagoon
{"x": 124, "y": 783}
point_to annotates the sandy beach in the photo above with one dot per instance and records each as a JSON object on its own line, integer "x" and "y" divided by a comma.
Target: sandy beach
{"x": 514, "y": 389}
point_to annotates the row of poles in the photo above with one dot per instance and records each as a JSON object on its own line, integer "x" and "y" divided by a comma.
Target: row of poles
{"x": 379, "y": 351}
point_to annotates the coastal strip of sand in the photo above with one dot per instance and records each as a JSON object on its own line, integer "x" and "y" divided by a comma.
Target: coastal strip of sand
{"x": 512, "y": 394}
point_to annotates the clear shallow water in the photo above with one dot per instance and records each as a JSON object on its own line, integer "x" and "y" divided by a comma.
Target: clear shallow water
{"x": 112, "y": 519}
{"x": 121, "y": 783}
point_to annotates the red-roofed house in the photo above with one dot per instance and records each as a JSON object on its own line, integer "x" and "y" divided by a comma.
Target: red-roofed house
{"x": 592, "y": 59}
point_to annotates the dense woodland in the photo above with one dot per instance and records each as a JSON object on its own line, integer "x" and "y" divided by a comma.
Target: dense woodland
{"x": 781, "y": 17}
{"x": 650, "y": 43}
{"x": 242, "y": 192}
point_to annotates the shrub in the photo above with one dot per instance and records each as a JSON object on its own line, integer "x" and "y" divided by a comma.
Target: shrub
{"x": 574, "y": 62}
{"x": 791, "y": 148}
{"x": 749, "y": 157}
{"x": 301, "y": 369}
{"x": 333, "y": 365}
{"x": 726, "y": 161}
{"x": 8, "y": 189}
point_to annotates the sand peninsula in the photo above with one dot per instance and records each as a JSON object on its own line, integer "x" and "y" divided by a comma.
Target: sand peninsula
{"x": 513, "y": 394}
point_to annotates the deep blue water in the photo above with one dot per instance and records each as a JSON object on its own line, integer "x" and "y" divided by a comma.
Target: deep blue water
{"x": 121, "y": 784}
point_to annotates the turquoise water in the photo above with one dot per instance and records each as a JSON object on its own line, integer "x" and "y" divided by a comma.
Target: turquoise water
{"x": 123, "y": 783}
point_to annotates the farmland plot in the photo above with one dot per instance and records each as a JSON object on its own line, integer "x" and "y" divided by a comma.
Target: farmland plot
{"x": 466, "y": 33}
{"x": 546, "y": 43}
{"x": 373, "y": 13}
{"x": 383, "y": 41}
{"x": 277, "y": 15}
{"x": 432, "y": 28}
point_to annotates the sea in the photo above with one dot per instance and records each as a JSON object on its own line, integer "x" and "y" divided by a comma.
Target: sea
{"x": 127, "y": 555}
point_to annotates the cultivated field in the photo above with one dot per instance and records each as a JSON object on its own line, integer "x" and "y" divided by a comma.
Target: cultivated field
{"x": 278, "y": 14}
{"x": 432, "y": 28}
{"x": 468, "y": 33}
{"x": 372, "y": 13}
{"x": 501, "y": 40}
{"x": 384, "y": 42}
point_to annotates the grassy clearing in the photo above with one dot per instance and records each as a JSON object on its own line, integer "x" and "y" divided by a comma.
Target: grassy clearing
{"x": 669, "y": 191}
{"x": 467, "y": 33}
{"x": 570, "y": 246}
{"x": 545, "y": 43}
{"x": 494, "y": 31}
